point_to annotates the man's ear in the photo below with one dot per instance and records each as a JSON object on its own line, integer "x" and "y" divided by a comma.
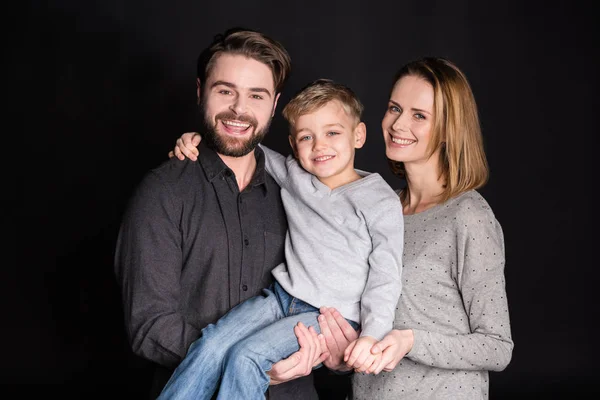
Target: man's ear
{"x": 293, "y": 144}
{"x": 275, "y": 104}
{"x": 198, "y": 90}
{"x": 360, "y": 135}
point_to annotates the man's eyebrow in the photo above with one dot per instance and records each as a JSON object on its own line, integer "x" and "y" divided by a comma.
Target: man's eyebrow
{"x": 233, "y": 86}
{"x": 413, "y": 109}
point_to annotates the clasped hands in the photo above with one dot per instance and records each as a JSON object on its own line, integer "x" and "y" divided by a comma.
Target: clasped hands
{"x": 340, "y": 348}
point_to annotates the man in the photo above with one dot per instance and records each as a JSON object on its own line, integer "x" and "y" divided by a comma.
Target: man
{"x": 200, "y": 237}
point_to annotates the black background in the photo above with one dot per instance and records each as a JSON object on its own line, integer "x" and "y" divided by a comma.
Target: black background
{"x": 99, "y": 91}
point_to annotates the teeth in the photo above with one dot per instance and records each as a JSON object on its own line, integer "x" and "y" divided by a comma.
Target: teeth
{"x": 402, "y": 141}
{"x": 323, "y": 158}
{"x": 236, "y": 124}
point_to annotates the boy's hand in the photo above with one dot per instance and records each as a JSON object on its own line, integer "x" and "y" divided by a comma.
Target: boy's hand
{"x": 358, "y": 355}
{"x": 186, "y": 146}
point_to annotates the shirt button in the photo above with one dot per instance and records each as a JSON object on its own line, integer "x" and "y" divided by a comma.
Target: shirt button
{"x": 244, "y": 288}
{"x": 246, "y": 241}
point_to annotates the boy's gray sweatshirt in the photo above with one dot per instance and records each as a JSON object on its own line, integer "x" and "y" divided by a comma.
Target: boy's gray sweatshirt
{"x": 344, "y": 246}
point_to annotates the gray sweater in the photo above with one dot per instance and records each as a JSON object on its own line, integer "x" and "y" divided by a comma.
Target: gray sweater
{"x": 454, "y": 299}
{"x": 344, "y": 246}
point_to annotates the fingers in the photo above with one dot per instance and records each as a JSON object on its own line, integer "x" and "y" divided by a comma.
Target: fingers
{"x": 284, "y": 370}
{"x": 348, "y": 331}
{"x": 196, "y": 139}
{"x": 177, "y": 149}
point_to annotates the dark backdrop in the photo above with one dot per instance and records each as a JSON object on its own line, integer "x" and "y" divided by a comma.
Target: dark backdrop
{"x": 99, "y": 91}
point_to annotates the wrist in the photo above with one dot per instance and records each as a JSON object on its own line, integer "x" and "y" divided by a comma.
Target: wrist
{"x": 409, "y": 339}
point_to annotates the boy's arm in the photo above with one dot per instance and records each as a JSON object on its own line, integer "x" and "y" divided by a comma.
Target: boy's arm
{"x": 382, "y": 290}
{"x": 276, "y": 165}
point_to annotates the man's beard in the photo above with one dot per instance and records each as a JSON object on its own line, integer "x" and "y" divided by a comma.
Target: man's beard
{"x": 227, "y": 145}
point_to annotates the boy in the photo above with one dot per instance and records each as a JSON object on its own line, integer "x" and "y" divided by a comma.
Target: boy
{"x": 343, "y": 249}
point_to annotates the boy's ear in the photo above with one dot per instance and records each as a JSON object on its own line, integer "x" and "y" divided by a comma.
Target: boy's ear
{"x": 360, "y": 135}
{"x": 293, "y": 144}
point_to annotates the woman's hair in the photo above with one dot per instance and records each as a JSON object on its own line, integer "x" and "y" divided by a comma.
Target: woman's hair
{"x": 455, "y": 131}
{"x": 250, "y": 44}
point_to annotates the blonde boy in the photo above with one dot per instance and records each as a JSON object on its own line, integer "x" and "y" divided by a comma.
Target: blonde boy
{"x": 343, "y": 249}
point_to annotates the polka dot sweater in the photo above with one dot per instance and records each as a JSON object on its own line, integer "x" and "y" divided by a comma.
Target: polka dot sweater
{"x": 454, "y": 299}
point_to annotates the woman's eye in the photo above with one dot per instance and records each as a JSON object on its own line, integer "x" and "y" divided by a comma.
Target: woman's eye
{"x": 419, "y": 116}
{"x": 394, "y": 109}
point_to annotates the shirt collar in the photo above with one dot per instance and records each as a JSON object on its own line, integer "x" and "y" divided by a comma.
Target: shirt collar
{"x": 214, "y": 167}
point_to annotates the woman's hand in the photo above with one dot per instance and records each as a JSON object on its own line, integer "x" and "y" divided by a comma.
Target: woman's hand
{"x": 336, "y": 335}
{"x": 393, "y": 347}
{"x": 186, "y": 146}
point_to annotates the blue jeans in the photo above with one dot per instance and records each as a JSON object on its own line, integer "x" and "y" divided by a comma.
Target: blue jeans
{"x": 233, "y": 355}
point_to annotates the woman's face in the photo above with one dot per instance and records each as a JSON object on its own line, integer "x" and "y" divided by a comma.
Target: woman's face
{"x": 408, "y": 120}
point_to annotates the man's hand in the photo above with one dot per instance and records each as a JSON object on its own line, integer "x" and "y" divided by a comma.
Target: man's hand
{"x": 186, "y": 146}
{"x": 393, "y": 347}
{"x": 301, "y": 362}
{"x": 359, "y": 357}
{"x": 336, "y": 335}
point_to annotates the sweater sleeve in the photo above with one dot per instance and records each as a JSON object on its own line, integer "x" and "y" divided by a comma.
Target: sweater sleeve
{"x": 382, "y": 290}
{"x": 481, "y": 282}
{"x": 148, "y": 265}
{"x": 276, "y": 165}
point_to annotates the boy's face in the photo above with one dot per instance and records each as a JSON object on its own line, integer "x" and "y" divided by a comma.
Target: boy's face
{"x": 324, "y": 143}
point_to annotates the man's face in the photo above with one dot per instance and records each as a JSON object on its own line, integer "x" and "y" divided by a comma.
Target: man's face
{"x": 238, "y": 101}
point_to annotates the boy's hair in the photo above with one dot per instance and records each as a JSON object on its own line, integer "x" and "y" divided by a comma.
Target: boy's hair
{"x": 251, "y": 44}
{"x": 456, "y": 130}
{"x": 318, "y": 93}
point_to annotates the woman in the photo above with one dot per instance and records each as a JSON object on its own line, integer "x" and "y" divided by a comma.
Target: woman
{"x": 452, "y": 324}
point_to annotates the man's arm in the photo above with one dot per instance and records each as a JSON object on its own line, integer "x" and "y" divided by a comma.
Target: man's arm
{"x": 148, "y": 266}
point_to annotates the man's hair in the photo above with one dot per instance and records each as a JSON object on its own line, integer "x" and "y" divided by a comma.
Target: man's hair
{"x": 456, "y": 130}
{"x": 251, "y": 44}
{"x": 316, "y": 95}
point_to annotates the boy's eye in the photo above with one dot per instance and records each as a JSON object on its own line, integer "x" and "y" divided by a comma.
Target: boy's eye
{"x": 304, "y": 138}
{"x": 332, "y": 133}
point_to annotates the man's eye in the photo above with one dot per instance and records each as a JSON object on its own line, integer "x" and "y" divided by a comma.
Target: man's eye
{"x": 225, "y": 91}
{"x": 257, "y": 97}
